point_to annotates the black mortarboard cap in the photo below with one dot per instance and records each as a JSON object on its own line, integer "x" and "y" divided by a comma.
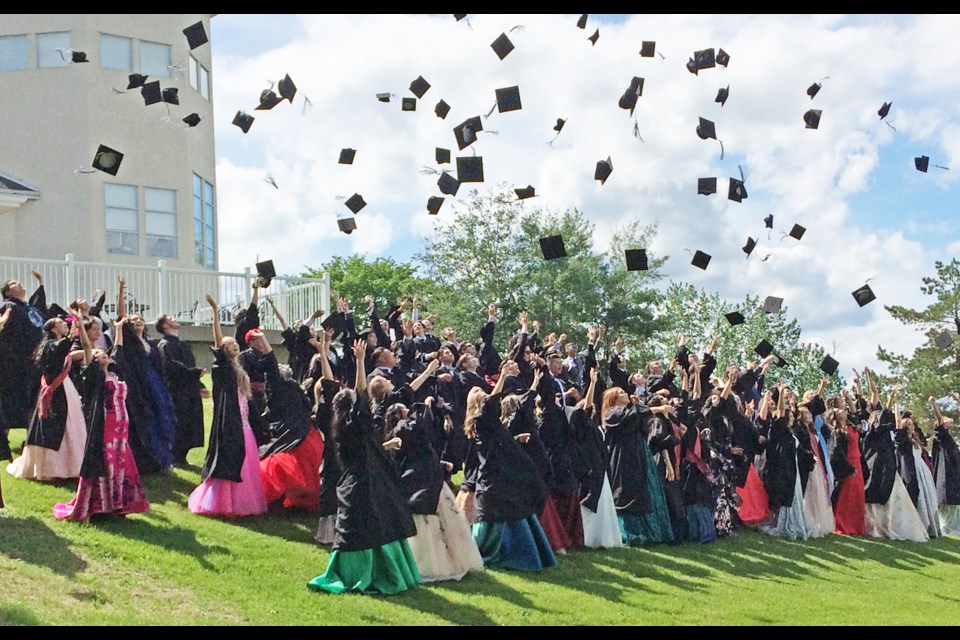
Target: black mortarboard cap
{"x": 170, "y": 95}
{"x": 466, "y": 132}
{"x": 268, "y": 100}
{"x": 797, "y": 231}
{"x": 700, "y": 260}
{"x": 107, "y": 160}
{"x": 736, "y": 191}
{"x": 943, "y": 340}
{"x": 347, "y": 225}
{"x": 193, "y": 119}
{"x": 419, "y": 87}
{"x": 692, "y": 66}
{"x": 706, "y": 186}
{"x": 648, "y": 49}
{"x": 552, "y": 247}
{"x": 266, "y": 271}
{"x": 723, "y": 58}
{"x": 508, "y": 99}
{"x": 56, "y": 311}
{"x": 135, "y": 81}
{"x": 722, "y": 94}
{"x": 582, "y": 21}
{"x": 596, "y": 36}
{"x": 243, "y": 120}
{"x": 921, "y": 163}
{"x": 705, "y": 59}
{"x": 768, "y": 221}
{"x": 442, "y": 109}
{"x": 433, "y": 205}
{"x": 459, "y": 16}
{"x": 383, "y": 97}
{"x": 884, "y": 110}
{"x": 813, "y": 89}
{"x": 706, "y": 129}
{"x": 559, "y": 126}
{"x": 409, "y": 104}
{"x": 502, "y": 46}
{"x": 603, "y": 170}
{"x": 78, "y": 56}
{"x": 749, "y": 246}
{"x": 524, "y": 193}
{"x": 448, "y": 184}
{"x": 828, "y": 365}
{"x": 864, "y": 295}
{"x": 629, "y": 98}
{"x": 734, "y": 318}
{"x": 442, "y": 155}
{"x": 636, "y": 259}
{"x": 355, "y": 203}
{"x": 780, "y": 361}
{"x": 763, "y": 349}
{"x": 812, "y": 118}
{"x": 151, "y": 93}
{"x": 772, "y": 304}
{"x": 333, "y": 321}
{"x": 196, "y": 35}
{"x": 470, "y": 169}
{"x": 286, "y": 88}
{"x": 347, "y": 156}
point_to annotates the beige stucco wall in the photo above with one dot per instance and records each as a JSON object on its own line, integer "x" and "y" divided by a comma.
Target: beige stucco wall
{"x": 55, "y": 118}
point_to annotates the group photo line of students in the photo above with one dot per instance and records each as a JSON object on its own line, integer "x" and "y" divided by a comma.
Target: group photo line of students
{"x": 427, "y": 458}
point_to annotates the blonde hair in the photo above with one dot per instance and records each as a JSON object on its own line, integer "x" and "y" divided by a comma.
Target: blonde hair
{"x": 508, "y": 406}
{"x": 243, "y": 380}
{"x": 475, "y": 401}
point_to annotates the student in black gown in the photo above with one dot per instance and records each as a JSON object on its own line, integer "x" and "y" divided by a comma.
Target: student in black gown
{"x": 182, "y": 377}
{"x": 324, "y": 392}
{"x": 946, "y": 468}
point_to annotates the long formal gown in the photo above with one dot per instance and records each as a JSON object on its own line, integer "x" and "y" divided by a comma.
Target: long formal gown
{"x": 927, "y": 504}
{"x": 816, "y": 500}
{"x": 848, "y": 497}
{"x": 784, "y": 486}
{"x": 946, "y": 465}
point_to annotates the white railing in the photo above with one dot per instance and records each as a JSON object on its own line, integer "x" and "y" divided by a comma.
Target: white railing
{"x": 153, "y": 290}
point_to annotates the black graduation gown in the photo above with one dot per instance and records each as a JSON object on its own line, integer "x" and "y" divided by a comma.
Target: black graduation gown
{"x": 780, "y": 472}
{"x": 255, "y": 364}
{"x": 879, "y": 460}
{"x": 132, "y": 360}
{"x": 907, "y": 464}
{"x": 625, "y": 435}
{"x": 508, "y": 486}
{"x": 421, "y": 476}
{"x": 696, "y": 486}
{"x": 288, "y": 411}
{"x": 487, "y": 353}
{"x": 92, "y": 389}
{"x": 371, "y": 511}
{"x": 806, "y": 461}
{"x": 48, "y": 432}
{"x": 593, "y": 457}
{"x": 226, "y": 451}
{"x": 842, "y": 469}
{"x": 664, "y": 441}
{"x": 946, "y": 464}
{"x": 19, "y": 375}
{"x": 744, "y": 435}
{"x": 524, "y": 421}
{"x": 557, "y": 440}
{"x": 330, "y": 470}
{"x": 250, "y": 321}
{"x": 182, "y": 377}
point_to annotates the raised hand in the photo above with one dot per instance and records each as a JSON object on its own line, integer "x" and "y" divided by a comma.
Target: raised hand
{"x": 360, "y": 349}
{"x": 407, "y": 327}
{"x": 39, "y": 278}
{"x": 210, "y": 301}
{"x": 591, "y": 334}
{"x": 121, "y": 283}
{"x": 119, "y": 322}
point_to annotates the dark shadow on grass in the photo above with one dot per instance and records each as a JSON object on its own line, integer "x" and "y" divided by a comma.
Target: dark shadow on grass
{"x": 170, "y": 486}
{"x": 290, "y": 523}
{"x": 170, "y": 538}
{"x": 33, "y": 541}
{"x": 12, "y": 614}
{"x": 428, "y": 598}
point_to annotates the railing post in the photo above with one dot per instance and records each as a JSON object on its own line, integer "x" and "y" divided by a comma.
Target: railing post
{"x": 69, "y": 284}
{"x": 247, "y": 286}
{"x": 162, "y": 276}
{"x": 325, "y": 294}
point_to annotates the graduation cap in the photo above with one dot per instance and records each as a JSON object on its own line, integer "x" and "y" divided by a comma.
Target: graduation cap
{"x": 582, "y": 21}
{"x": 706, "y": 186}
{"x": 383, "y": 97}
{"x": 780, "y": 361}
{"x": 409, "y": 104}
{"x": 603, "y": 170}
{"x": 772, "y": 304}
{"x": 243, "y": 120}
{"x": 813, "y": 89}
{"x": 700, "y": 260}
{"x": 736, "y": 191}
{"x": 797, "y": 231}
{"x": 151, "y": 93}
{"x": 196, "y": 35}
{"x": 135, "y": 81}
{"x": 192, "y": 120}
{"x": 347, "y": 156}
{"x": 470, "y": 169}
{"x": 629, "y": 98}
{"x": 286, "y": 88}
{"x": 508, "y": 99}
{"x": 552, "y": 247}
{"x": 749, "y": 246}
{"x": 648, "y": 49}
{"x": 442, "y": 109}
{"x": 722, "y": 94}
{"x": 828, "y": 365}
{"x": 763, "y": 348}
{"x": 704, "y": 59}
{"x": 442, "y": 155}
{"x": 107, "y": 160}
{"x": 812, "y": 118}
{"x": 434, "y": 204}
{"x": 355, "y": 203}
{"x": 466, "y": 132}
{"x": 706, "y": 129}
{"x": 921, "y": 163}
{"x": 768, "y": 221}
{"x": 559, "y": 126}
{"x": 334, "y": 321}
{"x": 636, "y": 259}
{"x": 56, "y": 311}
{"x": 347, "y": 225}
{"x": 596, "y": 36}
{"x": 943, "y": 340}
{"x": 524, "y": 193}
{"x": 734, "y": 318}
{"x": 266, "y": 272}
{"x": 459, "y": 16}
{"x": 884, "y": 110}
{"x": 502, "y": 46}
{"x": 419, "y": 87}
{"x": 448, "y": 184}
{"x": 723, "y": 58}
{"x": 864, "y": 295}
{"x": 170, "y": 95}
{"x": 78, "y": 56}
{"x": 268, "y": 100}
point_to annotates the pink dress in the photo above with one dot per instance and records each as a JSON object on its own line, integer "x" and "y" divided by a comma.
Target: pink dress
{"x": 216, "y": 497}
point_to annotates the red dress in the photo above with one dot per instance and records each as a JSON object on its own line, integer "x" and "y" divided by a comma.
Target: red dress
{"x": 754, "y": 507}
{"x": 295, "y": 475}
{"x": 850, "y": 505}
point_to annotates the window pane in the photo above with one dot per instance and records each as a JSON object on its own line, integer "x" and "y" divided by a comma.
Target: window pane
{"x": 159, "y": 247}
{"x": 208, "y": 193}
{"x": 122, "y": 219}
{"x": 209, "y": 236}
{"x": 197, "y": 186}
{"x": 197, "y": 210}
{"x": 154, "y": 59}
{"x": 47, "y": 45}
{"x": 208, "y": 215}
{"x": 211, "y": 259}
{"x": 116, "y": 52}
{"x": 161, "y": 224}
{"x": 160, "y": 200}
{"x": 13, "y": 53}
{"x": 198, "y": 252}
{"x": 198, "y": 231}
{"x": 193, "y": 73}
{"x": 121, "y": 195}
{"x": 125, "y": 243}
{"x": 204, "y": 83}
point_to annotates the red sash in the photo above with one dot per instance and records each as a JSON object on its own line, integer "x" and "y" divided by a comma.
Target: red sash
{"x": 47, "y": 388}
{"x": 693, "y": 455}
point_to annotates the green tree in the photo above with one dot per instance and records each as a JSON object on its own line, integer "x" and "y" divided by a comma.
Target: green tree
{"x": 387, "y": 280}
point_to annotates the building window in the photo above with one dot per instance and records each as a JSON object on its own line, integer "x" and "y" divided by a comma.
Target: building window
{"x": 204, "y": 83}
{"x": 13, "y": 53}
{"x": 204, "y": 215}
{"x": 116, "y": 52}
{"x": 155, "y": 59}
{"x": 161, "y": 213}
{"x": 123, "y": 227}
{"x": 199, "y": 78}
{"x": 52, "y": 49}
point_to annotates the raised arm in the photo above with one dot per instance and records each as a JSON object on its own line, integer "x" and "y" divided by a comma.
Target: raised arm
{"x": 325, "y": 356}
{"x": 725, "y": 393}
{"x": 85, "y": 343}
{"x": 497, "y": 388}
{"x": 217, "y": 333}
{"x": 936, "y": 409}
{"x": 765, "y": 405}
{"x": 874, "y": 397}
{"x": 592, "y": 389}
{"x": 423, "y": 377}
{"x": 360, "y": 352}
{"x": 118, "y": 330}
{"x": 121, "y": 297}
{"x": 780, "y": 400}
{"x": 713, "y": 345}
{"x": 697, "y": 384}
{"x": 276, "y": 312}
{"x": 255, "y": 301}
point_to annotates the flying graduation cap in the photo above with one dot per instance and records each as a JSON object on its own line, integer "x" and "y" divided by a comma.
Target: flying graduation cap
{"x": 706, "y": 186}
{"x": 196, "y": 35}
{"x": 470, "y": 169}
{"x": 812, "y": 118}
{"x": 772, "y": 304}
{"x": 433, "y": 205}
{"x": 355, "y": 203}
{"x": 107, "y": 160}
{"x": 723, "y": 58}
{"x": 419, "y": 87}
{"x": 266, "y": 272}
{"x": 286, "y": 88}
{"x": 447, "y": 184}
{"x": 408, "y": 104}
{"x": 797, "y": 231}
{"x": 582, "y": 21}
{"x": 629, "y": 98}
{"x": 192, "y": 120}
{"x": 749, "y": 246}
{"x": 268, "y": 100}
{"x": 442, "y": 109}
{"x": 734, "y": 318}
{"x": 526, "y": 192}
{"x": 603, "y": 170}
{"x": 704, "y": 59}
{"x": 593, "y": 39}
{"x": 466, "y": 132}
{"x": 347, "y": 156}
{"x": 508, "y": 99}
{"x": 151, "y": 93}
{"x": 648, "y": 49}
{"x": 347, "y": 225}
{"x": 701, "y": 260}
{"x": 768, "y": 221}
{"x": 442, "y": 156}
{"x": 135, "y": 81}
{"x": 170, "y": 96}
{"x": 78, "y": 56}
{"x": 502, "y": 46}
{"x": 864, "y": 295}
{"x": 722, "y": 94}
{"x": 243, "y": 120}
{"x": 736, "y": 191}
{"x": 636, "y": 259}
{"x": 923, "y": 162}
{"x": 884, "y": 110}
{"x": 828, "y": 365}
{"x": 552, "y": 247}
{"x": 813, "y": 89}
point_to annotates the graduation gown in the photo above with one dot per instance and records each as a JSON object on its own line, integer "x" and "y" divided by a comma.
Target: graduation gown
{"x": 625, "y": 436}
{"x": 421, "y": 476}
{"x": 487, "y": 353}
{"x": 92, "y": 388}
{"x": 557, "y": 440}
{"x": 132, "y": 360}
{"x": 182, "y": 377}
{"x": 593, "y": 457}
{"x": 288, "y": 410}
{"x": 225, "y": 453}
{"x": 48, "y": 432}
{"x": 19, "y": 375}
{"x": 780, "y": 471}
{"x": 879, "y": 460}
{"x": 907, "y": 464}
{"x": 524, "y": 421}
{"x": 330, "y": 470}
{"x": 371, "y": 511}
{"x": 946, "y": 464}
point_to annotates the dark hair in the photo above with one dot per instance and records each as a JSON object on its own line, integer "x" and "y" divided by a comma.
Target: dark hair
{"x": 5, "y": 289}
{"x": 392, "y": 418}
{"x": 89, "y": 324}
{"x": 162, "y": 323}
{"x": 342, "y": 405}
{"x": 48, "y": 336}
{"x": 377, "y": 353}
{"x": 239, "y": 316}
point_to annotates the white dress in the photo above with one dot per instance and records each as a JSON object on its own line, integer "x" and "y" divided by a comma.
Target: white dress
{"x": 40, "y": 463}
{"x": 816, "y": 504}
{"x": 898, "y": 518}
{"x": 602, "y": 528}
{"x": 790, "y": 522}
{"x": 948, "y": 514}
{"x": 927, "y": 502}
{"x": 444, "y": 547}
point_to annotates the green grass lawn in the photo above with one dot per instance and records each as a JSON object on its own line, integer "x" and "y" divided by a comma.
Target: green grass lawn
{"x": 169, "y": 567}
